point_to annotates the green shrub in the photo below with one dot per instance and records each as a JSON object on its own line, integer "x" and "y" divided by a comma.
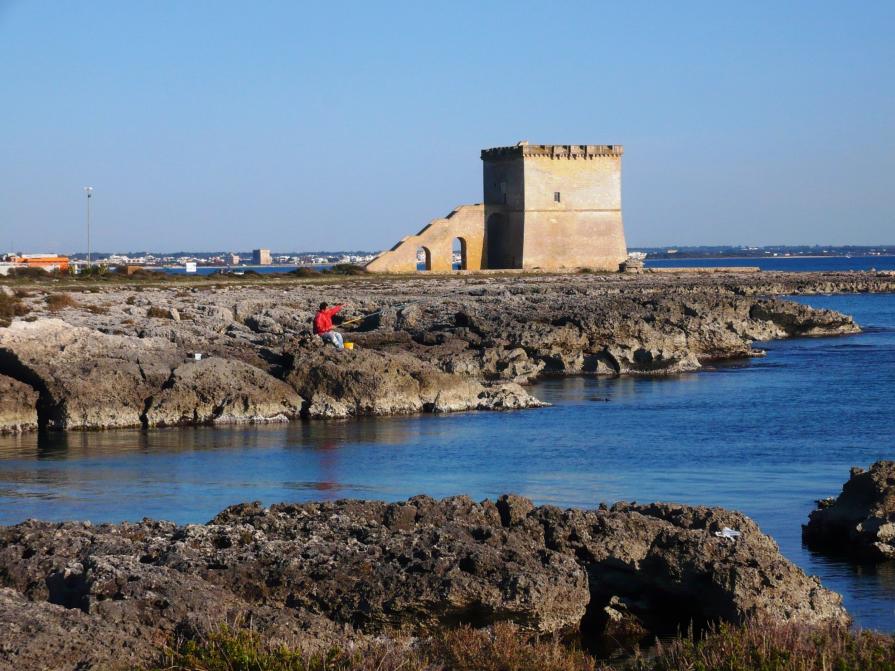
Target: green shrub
{"x": 305, "y": 272}
{"x": 347, "y": 269}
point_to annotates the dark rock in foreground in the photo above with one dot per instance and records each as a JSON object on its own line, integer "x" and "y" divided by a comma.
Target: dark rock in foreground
{"x": 80, "y": 596}
{"x": 861, "y": 520}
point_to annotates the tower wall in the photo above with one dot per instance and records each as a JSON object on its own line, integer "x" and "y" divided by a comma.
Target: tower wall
{"x": 503, "y": 182}
{"x": 573, "y": 213}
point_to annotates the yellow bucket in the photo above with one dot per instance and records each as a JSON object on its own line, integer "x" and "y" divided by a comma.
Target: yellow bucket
{"x": 349, "y": 345}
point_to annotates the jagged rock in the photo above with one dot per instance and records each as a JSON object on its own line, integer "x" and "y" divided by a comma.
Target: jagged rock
{"x": 861, "y": 520}
{"x": 18, "y": 406}
{"x": 801, "y": 320}
{"x": 220, "y": 391}
{"x": 342, "y": 383}
{"x": 434, "y": 345}
{"x": 86, "y": 379}
{"x": 407, "y": 567}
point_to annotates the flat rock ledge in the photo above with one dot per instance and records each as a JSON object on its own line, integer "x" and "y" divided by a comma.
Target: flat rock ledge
{"x": 78, "y": 596}
{"x": 861, "y": 520}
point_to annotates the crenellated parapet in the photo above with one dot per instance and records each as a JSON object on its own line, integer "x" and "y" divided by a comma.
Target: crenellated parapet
{"x": 555, "y": 151}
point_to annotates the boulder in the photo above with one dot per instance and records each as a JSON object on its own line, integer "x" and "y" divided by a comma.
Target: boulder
{"x": 861, "y": 520}
{"x": 18, "y": 406}
{"x": 220, "y": 391}
{"x": 342, "y": 383}
{"x": 409, "y": 567}
{"x": 86, "y": 379}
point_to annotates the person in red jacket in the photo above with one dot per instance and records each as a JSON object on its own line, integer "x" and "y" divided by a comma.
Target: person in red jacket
{"x": 323, "y": 325}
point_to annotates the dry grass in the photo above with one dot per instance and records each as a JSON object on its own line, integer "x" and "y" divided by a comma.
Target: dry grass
{"x": 504, "y": 647}
{"x": 761, "y": 647}
{"x": 155, "y": 312}
{"x": 97, "y": 309}
{"x": 57, "y": 302}
{"x": 10, "y": 307}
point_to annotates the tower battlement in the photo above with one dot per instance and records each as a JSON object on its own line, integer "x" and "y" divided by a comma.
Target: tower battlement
{"x": 526, "y": 150}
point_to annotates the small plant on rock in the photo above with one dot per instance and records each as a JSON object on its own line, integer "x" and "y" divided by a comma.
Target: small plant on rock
{"x": 57, "y": 302}
{"x": 10, "y": 307}
{"x": 156, "y": 312}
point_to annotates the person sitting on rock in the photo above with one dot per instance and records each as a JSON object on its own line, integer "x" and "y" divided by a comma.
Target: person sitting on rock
{"x": 323, "y": 325}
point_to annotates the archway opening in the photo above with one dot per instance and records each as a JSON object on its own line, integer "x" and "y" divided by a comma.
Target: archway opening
{"x": 423, "y": 258}
{"x": 458, "y": 254}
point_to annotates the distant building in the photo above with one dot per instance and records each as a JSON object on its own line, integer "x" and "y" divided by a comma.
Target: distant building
{"x": 235, "y": 260}
{"x": 545, "y": 207}
{"x": 261, "y": 257}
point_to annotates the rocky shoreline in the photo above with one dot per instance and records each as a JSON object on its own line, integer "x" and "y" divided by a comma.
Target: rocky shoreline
{"x": 122, "y": 355}
{"x": 78, "y": 596}
{"x": 860, "y": 522}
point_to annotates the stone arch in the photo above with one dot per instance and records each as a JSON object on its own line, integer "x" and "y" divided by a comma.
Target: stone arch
{"x": 464, "y": 259}
{"x": 427, "y": 264}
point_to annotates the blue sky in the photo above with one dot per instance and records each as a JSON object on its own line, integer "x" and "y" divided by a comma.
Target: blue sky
{"x": 346, "y": 125}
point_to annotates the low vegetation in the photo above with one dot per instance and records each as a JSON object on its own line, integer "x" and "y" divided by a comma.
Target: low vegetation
{"x": 155, "y": 312}
{"x": 346, "y": 269}
{"x": 57, "y": 302}
{"x": 11, "y": 306}
{"x": 504, "y": 647}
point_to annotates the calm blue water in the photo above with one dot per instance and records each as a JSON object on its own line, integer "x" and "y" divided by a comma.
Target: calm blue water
{"x": 766, "y": 436}
{"x": 791, "y": 263}
{"x": 213, "y": 270}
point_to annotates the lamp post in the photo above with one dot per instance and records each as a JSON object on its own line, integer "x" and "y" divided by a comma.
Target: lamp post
{"x": 89, "y": 191}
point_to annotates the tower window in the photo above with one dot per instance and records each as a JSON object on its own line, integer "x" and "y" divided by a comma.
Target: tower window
{"x": 556, "y": 196}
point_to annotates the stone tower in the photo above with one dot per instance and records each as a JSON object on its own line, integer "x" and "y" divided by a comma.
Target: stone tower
{"x": 553, "y": 206}
{"x": 546, "y": 207}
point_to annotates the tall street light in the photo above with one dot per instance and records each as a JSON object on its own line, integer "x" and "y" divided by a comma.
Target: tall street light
{"x": 89, "y": 191}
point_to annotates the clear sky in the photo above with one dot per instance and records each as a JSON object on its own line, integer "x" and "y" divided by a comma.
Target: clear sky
{"x": 213, "y": 125}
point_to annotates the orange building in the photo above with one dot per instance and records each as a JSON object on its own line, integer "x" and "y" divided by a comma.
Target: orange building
{"x": 44, "y": 261}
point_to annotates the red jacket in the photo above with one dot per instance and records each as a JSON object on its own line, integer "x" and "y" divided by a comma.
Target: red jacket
{"x": 323, "y": 320}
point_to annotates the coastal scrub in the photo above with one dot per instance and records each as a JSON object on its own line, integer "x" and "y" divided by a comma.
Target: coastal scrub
{"x": 505, "y": 647}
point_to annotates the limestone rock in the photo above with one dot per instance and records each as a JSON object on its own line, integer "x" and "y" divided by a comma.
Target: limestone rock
{"x": 341, "y": 383}
{"x": 18, "y": 406}
{"x": 86, "y": 379}
{"x": 82, "y": 591}
{"x": 861, "y": 520}
{"x": 220, "y": 391}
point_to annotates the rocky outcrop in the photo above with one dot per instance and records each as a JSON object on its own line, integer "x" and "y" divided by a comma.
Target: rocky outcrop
{"x": 86, "y": 379}
{"x": 861, "y": 520}
{"x": 380, "y": 568}
{"x": 18, "y": 406}
{"x": 344, "y": 383}
{"x": 120, "y": 356}
{"x": 220, "y": 391}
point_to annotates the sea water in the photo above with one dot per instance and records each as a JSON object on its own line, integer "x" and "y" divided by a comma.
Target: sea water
{"x": 765, "y": 436}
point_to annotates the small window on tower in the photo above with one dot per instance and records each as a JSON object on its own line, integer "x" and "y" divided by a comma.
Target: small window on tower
{"x": 556, "y": 196}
